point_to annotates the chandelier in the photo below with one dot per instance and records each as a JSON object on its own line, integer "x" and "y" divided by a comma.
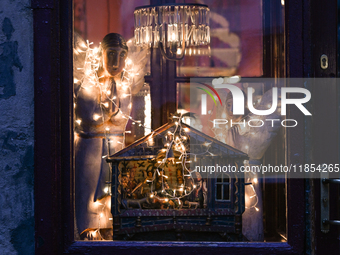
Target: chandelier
{"x": 172, "y": 27}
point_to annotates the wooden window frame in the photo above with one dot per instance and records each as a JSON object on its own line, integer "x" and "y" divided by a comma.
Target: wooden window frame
{"x": 54, "y": 177}
{"x": 223, "y": 184}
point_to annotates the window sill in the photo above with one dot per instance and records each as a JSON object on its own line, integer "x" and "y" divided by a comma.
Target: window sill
{"x": 136, "y": 247}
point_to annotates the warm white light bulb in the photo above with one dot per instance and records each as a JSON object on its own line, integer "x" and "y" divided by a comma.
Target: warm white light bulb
{"x": 97, "y": 203}
{"x": 173, "y": 36}
{"x": 96, "y": 117}
{"x": 128, "y": 61}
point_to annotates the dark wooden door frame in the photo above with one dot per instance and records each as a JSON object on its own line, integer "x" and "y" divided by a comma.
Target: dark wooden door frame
{"x": 325, "y": 147}
{"x": 54, "y": 187}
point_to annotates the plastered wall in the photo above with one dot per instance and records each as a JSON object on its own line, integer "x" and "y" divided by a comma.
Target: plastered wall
{"x": 16, "y": 128}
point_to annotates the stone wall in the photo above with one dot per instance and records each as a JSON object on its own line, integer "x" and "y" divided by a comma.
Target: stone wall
{"x": 16, "y": 128}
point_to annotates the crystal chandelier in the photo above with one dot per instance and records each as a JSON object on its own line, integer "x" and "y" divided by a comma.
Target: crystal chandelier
{"x": 172, "y": 27}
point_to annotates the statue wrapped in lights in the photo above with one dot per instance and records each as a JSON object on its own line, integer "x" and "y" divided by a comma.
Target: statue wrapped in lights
{"x": 105, "y": 80}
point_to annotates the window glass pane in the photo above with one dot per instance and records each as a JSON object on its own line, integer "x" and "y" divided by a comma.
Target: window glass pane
{"x": 219, "y": 191}
{"x": 226, "y": 192}
{"x": 109, "y": 115}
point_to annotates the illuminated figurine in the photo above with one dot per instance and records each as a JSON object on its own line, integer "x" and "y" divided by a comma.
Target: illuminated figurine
{"x": 146, "y": 188}
{"x": 198, "y": 191}
{"x": 103, "y": 89}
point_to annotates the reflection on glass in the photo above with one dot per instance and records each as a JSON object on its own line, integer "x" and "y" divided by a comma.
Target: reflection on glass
{"x": 254, "y": 141}
{"x": 236, "y": 45}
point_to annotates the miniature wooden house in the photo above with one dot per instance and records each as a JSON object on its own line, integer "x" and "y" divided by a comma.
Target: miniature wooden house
{"x": 172, "y": 181}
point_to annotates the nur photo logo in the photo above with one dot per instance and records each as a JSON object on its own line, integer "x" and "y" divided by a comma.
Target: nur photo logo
{"x": 280, "y": 99}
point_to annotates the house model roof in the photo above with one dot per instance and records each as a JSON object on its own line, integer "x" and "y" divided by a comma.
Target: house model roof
{"x": 142, "y": 148}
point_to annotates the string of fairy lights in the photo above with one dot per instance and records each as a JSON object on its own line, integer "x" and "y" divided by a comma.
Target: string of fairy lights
{"x": 175, "y": 140}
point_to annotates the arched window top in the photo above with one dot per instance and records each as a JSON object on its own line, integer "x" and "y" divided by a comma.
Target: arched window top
{"x": 223, "y": 178}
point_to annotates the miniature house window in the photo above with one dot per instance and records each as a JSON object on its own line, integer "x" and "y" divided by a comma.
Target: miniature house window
{"x": 125, "y": 186}
{"x": 222, "y": 190}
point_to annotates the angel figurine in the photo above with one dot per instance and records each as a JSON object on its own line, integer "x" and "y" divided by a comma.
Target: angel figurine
{"x": 105, "y": 80}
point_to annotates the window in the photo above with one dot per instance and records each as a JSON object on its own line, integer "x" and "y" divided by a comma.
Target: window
{"x": 108, "y": 116}
{"x": 223, "y": 187}
{"x": 48, "y": 192}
